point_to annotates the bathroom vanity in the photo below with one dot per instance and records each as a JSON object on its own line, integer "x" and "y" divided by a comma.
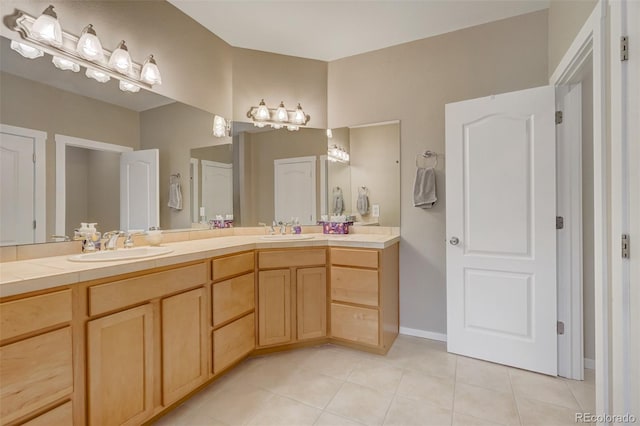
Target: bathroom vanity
{"x": 122, "y": 342}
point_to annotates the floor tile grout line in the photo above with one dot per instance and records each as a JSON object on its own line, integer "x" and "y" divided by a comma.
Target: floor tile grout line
{"x": 455, "y": 383}
{"x": 513, "y": 396}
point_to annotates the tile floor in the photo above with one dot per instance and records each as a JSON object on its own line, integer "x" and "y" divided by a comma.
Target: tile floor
{"x": 416, "y": 383}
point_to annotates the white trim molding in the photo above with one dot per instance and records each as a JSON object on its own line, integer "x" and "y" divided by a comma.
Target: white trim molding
{"x": 591, "y": 41}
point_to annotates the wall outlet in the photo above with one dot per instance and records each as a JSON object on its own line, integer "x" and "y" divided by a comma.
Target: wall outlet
{"x": 375, "y": 210}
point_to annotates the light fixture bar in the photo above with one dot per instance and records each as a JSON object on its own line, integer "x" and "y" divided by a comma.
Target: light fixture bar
{"x": 22, "y": 23}
{"x": 295, "y": 118}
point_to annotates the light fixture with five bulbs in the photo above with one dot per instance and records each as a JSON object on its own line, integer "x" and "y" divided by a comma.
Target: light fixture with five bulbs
{"x": 45, "y": 35}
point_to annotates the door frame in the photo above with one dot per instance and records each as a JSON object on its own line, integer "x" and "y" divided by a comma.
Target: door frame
{"x": 62, "y": 142}
{"x": 624, "y": 207}
{"x": 590, "y": 43}
{"x": 40, "y": 175}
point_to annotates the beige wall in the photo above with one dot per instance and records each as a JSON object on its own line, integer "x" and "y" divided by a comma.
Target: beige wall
{"x": 175, "y": 129}
{"x": 258, "y": 75}
{"x": 25, "y": 103}
{"x": 375, "y": 164}
{"x": 261, "y": 150}
{"x": 566, "y": 18}
{"x": 412, "y": 82}
{"x": 194, "y": 63}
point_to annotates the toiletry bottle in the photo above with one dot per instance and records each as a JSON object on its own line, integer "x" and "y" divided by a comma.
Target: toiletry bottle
{"x": 297, "y": 229}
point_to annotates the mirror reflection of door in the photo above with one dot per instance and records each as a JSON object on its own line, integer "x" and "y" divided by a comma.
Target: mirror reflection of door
{"x": 217, "y": 188}
{"x": 295, "y": 189}
{"x": 22, "y": 197}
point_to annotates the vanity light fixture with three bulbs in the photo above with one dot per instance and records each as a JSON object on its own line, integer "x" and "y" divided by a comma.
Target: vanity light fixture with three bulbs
{"x": 278, "y": 118}
{"x": 45, "y": 35}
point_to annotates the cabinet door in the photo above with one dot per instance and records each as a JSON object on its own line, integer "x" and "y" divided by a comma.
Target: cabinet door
{"x": 35, "y": 372}
{"x": 184, "y": 344}
{"x": 311, "y": 286}
{"x": 274, "y": 307}
{"x": 120, "y": 367}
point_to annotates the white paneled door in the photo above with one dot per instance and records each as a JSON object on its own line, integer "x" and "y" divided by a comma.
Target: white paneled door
{"x": 295, "y": 189}
{"x": 501, "y": 237}
{"x": 217, "y": 188}
{"x": 139, "y": 193}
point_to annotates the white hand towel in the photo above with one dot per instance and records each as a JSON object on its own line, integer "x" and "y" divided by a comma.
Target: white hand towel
{"x": 175, "y": 196}
{"x": 424, "y": 188}
{"x": 338, "y": 201}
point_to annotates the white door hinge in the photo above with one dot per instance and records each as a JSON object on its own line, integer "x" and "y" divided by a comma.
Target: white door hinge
{"x": 559, "y": 222}
{"x": 624, "y": 48}
{"x": 625, "y": 246}
{"x": 33, "y": 158}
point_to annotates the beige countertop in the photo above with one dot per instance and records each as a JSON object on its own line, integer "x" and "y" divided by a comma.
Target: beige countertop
{"x": 48, "y": 272}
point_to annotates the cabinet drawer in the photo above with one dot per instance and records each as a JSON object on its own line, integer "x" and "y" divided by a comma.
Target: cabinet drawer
{"x": 355, "y": 324}
{"x": 35, "y": 372}
{"x": 289, "y": 258}
{"x": 233, "y": 341}
{"x": 59, "y": 416}
{"x": 354, "y": 285}
{"x": 232, "y": 298}
{"x": 354, "y": 257}
{"x": 232, "y": 265}
{"x": 120, "y": 294}
{"x": 34, "y": 313}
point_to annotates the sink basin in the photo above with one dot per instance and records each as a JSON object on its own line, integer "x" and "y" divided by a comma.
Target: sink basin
{"x": 122, "y": 254}
{"x": 288, "y": 237}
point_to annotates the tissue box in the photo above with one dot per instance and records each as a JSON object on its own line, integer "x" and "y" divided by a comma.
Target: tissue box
{"x": 341, "y": 228}
{"x": 221, "y": 223}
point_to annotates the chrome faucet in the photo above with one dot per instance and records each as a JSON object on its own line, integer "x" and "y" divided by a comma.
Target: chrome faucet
{"x": 112, "y": 239}
{"x": 283, "y": 227}
{"x": 128, "y": 242}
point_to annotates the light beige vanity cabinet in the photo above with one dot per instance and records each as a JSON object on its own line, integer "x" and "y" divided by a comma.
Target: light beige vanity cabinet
{"x": 292, "y": 287}
{"x": 233, "y": 307}
{"x": 364, "y": 296}
{"x": 121, "y": 350}
{"x": 147, "y": 342}
{"x": 36, "y": 358}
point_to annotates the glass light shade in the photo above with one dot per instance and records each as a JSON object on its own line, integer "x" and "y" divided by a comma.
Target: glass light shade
{"x": 262, "y": 113}
{"x": 299, "y": 117}
{"x": 281, "y": 113}
{"x": 89, "y": 46}
{"x": 277, "y": 126}
{"x": 97, "y": 75}
{"x": 26, "y": 50}
{"x": 292, "y": 128}
{"x": 260, "y": 125}
{"x": 47, "y": 28}
{"x": 125, "y": 86}
{"x": 120, "y": 59}
{"x": 329, "y": 133}
{"x": 219, "y": 126}
{"x": 150, "y": 72}
{"x": 65, "y": 64}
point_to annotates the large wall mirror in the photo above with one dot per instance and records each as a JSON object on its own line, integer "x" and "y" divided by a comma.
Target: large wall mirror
{"x": 242, "y": 175}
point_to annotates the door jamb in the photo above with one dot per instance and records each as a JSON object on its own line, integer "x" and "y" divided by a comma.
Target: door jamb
{"x": 591, "y": 41}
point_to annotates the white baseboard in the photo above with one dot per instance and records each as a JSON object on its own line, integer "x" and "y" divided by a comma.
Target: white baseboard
{"x": 590, "y": 364}
{"x": 424, "y": 334}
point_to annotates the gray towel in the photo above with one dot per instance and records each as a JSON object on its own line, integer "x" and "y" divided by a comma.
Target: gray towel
{"x": 424, "y": 189}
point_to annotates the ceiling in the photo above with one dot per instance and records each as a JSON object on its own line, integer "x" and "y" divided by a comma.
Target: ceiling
{"x": 328, "y": 30}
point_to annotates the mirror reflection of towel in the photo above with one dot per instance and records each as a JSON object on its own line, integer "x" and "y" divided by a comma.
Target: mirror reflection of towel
{"x": 338, "y": 201}
{"x": 362, "y": 204}
{"x": 424, "y": 188}
{"x": 175, "y": 196}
